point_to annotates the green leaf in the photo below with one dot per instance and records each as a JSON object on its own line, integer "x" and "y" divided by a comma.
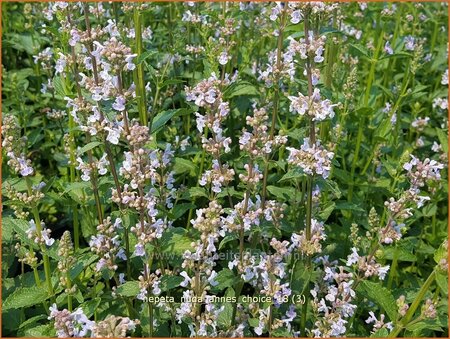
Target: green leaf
{"x": 33, "y": 320}
{"x": 360, "y": 50}
{"x": 179, "y": 210}
{"x": 60, "y": 88}
{"x": 182, "y": 165}
{"x": 294, "y": 173}
{"x": 442, "y": 139}
{"x": 390, "y": 167}
{"x": 429, "y": 210}
{"x": 381, "y": 333}
{"x": 76, "y": 190}
{"x": 144, "y": 56}
{"x": 23, "y": 42}
{"x": 225, "y": 278}
{"x": 25, "y": 297}
{"x": 88, "y": 147}
{"x": 161, "y": 119}
{"x": 225, "y": 316}
{"x": 227, "y": 239}
{"x": 330, "y": 186}
{"x": 89, "y": 307}
{"x": 128, "y": 289}
{"x": 82, "y": 263}
{"x": 281, "y": 332}
{"x": 345, "y": 205}
{"x": 240, "y": 88}
{"x": 171, "y": 82}
{"x": 442, "y": 281}
{"x": 283, "y": 193}
{"x": 364, "y": 111}
{"x": 253, "y": 322}
{"x": 381, "y": 296}
{"x": 326, "y": 210}
{"x": 383, "y": 130}
{"x": 397, "y": 55}
{"x": 169, "y": 282}
{"x": 441, "y": 253}
{"x": 403, "y": 254}
{"x": 43, "y": 331}
{"x": 176, "y": 241}
{"x": 429, "y": 324}
{"x": 11, "y": 226}
{"x": 195, "y": 192}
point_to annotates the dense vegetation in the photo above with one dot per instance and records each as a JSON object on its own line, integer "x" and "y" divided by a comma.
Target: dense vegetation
{"x": 224, "y": 169}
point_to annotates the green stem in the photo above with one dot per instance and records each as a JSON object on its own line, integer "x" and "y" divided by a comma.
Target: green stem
{"x": 150, "y": 319}
{"x": 412, "y": 309}
{"x": 139, "y": 72}
{"x": 306, "y": 302}
{"x": 362, "y": 126}
{"x": 69, "y": 295}
{"x": 355, "y": 158}
{"x": 38, "y": 284}
{"x": 75, "y": 222}
{"x": 37, "y": 221}
{"x": 309, "y": 206}
{"x": 275, "y": 103}
{"x": 393, "y": 269}
{"x": 155, "y": 99}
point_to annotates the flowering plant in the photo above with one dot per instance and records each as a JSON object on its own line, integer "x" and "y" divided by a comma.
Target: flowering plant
{"x": 224, "y": 169}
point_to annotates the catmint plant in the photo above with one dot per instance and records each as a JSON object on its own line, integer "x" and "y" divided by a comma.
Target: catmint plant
{"x": 224, "y": 169}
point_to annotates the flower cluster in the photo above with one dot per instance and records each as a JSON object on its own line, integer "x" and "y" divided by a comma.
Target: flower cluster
{"x": 420, "y": 172}
{"x": 312, "y": 159}
{"x": 332, "y": 300}
{"x": 313, "y": 106}
{"x": 77, "y": 324}
{"x": 258, "y": 141}
{"x": 39, "y": 234}
{"x": 366, "y": 265}
{"x": 106, "y": 244}
{"x": 12, "y": 143}
{"x": 311, "y": 245}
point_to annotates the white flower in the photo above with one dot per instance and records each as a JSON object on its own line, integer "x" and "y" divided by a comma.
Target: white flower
{"x": 74, "y": 37}
{"x": 25, "y": 170}
{"x": 156, "y": 290}
{"x": 212, "y": 280}
{"x": 223, "y": 58}
{"x": 210, "y": 96}
{"x": 442, "y": 103}
{"x": 122, "y": 278}
{"x": 410, "y": 44}
{"x": 121, "y": 254}
{"x": 436, "y": 147}
{"x": 187, "y": 280}
{"x": 119, "y": 104}
{"x": 226, "y": 144}
{"x": 245, "y": 138}
{"x": 139, "y": 250}
{"x": 296, "y": 16}
{"x": 129, "y": 60}
{"x": 353, "y": 258}
{"x": 382, "y": 271}
{"x": 444, "y": 80}
{"x": 201, "y": 122}
{"x": 46, "y": 236}
{"x": 101, "y": 165}
{"x": 60, "y": 64}
{"x": 275, "y": 11}
{"x": 313, "y": 106}
{"x": 388, "y": 49}
{"x": 113, "y": 135}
